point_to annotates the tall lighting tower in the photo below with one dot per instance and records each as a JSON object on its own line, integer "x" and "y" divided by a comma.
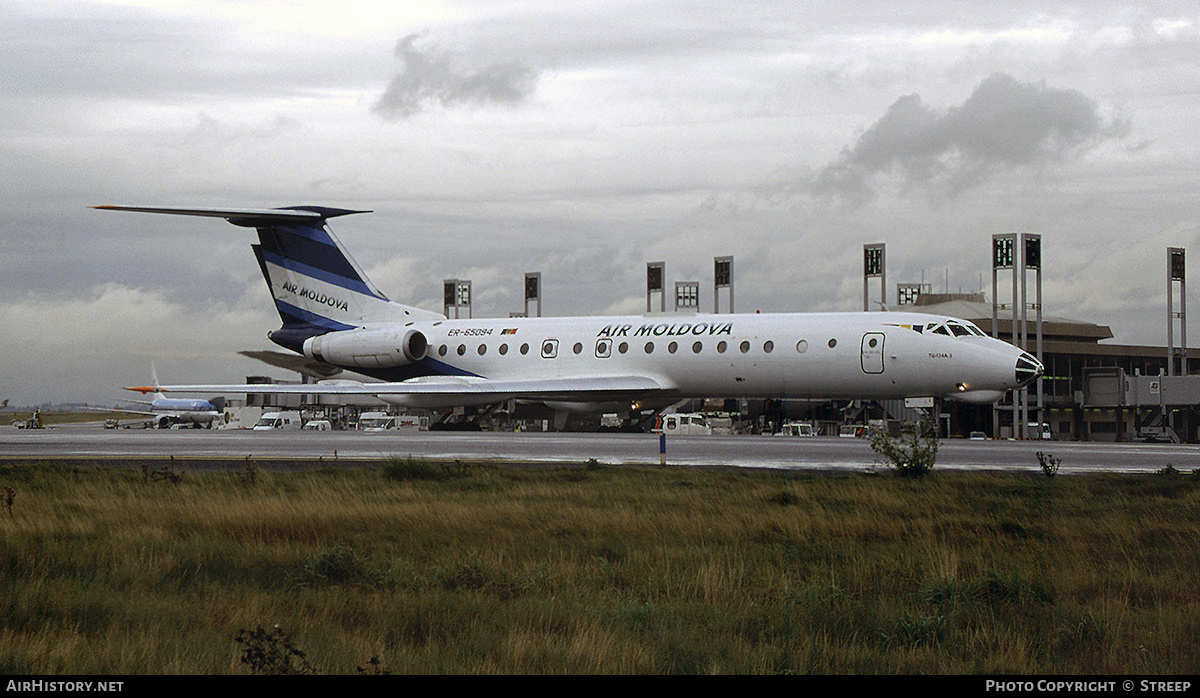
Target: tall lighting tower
{"x": 655, "y": 283}
{"x": 1021, "y": 254}
{"x": 456, "y": 295}
{"x": 875, "y": 267}
{"x": 1031, "y": 261}
{"x": 1176, "y": 272}
{"x": 722, "y": 278}
{"x": 533, "y": 291}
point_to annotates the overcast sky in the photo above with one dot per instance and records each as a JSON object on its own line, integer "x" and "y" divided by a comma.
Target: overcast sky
{"x": 580, "y": 139}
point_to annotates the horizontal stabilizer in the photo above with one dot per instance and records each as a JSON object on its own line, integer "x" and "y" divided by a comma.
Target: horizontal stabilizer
{"x": 247, "y": 217}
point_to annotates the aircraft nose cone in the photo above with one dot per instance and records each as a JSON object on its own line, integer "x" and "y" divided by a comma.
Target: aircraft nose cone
{"x": 1028, "y": 369}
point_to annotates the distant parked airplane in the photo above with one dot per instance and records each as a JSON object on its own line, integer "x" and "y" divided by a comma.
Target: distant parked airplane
{"x": 167, "y": 411}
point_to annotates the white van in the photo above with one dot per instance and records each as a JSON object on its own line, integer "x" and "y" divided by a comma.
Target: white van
{"x": 1039, "y": 431}
{"x": 797, "y": 429}
{"x": 382, "y": 421}
{"x": 684, "y": 424}
{"x": 376, "y": 421}
{"x": 278, "y": 420}
{"x": 318, "y": 425}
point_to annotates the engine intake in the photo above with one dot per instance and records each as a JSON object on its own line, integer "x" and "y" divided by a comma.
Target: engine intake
{"x": 368, "y": 348}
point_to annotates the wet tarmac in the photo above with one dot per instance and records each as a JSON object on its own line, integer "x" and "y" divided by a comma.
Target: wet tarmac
{"x": 228, "y": 448}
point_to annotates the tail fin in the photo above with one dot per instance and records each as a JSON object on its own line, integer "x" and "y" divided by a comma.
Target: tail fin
{"x": 154, "y": 387}
{"x": 316, "y": 284}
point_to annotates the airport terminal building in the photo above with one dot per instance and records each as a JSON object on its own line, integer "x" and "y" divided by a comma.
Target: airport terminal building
{"x": 1092, "y": 390}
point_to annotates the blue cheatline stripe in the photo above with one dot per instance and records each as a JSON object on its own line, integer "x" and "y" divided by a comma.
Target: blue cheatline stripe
{"x": 283, "y": 242}
{"x": 352, "y": 284}
{"x": 293, "y": 315}
{"x": 315, "y": 233}
{"x": 316, "y": 249}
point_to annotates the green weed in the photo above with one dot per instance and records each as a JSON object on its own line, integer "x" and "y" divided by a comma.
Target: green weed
{"x": 912, "y": 454}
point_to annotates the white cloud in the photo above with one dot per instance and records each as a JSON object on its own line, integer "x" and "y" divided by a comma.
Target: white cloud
{"x": 85, "y": 347}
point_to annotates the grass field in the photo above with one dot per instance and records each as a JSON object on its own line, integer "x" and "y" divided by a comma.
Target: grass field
{"x": 416, "y": 567}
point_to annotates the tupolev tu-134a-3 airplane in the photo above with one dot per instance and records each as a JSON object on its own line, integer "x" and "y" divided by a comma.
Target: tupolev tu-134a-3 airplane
{"x": 332, "y": 313}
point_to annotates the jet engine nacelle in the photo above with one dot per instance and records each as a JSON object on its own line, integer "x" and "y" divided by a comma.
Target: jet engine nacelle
{"x": 367, "y": 348}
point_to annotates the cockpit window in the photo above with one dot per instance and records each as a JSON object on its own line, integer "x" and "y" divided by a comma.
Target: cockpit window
{"x": 952, "y": 328}
{"x": 949, "y": 327}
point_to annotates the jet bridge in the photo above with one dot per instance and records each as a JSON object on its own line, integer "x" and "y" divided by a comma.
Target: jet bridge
{"x": 1149, "y": 399}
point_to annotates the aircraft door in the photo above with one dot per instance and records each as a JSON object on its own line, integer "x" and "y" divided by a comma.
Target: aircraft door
{"x": 872, "y": 352}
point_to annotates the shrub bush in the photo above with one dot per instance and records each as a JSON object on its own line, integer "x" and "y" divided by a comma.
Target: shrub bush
{"x": 912, "y": 454}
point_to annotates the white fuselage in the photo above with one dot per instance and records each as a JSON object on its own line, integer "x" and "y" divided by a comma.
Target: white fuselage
{"x": 185, "y": 411}
{"x": 880, "y": 355}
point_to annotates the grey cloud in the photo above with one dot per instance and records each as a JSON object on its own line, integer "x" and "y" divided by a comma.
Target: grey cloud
{"x": 1003, "y": 124}
{"x": 429, "y": 77}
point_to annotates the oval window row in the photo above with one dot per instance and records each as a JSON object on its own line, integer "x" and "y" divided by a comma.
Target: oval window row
{"x": 550, "y": 348}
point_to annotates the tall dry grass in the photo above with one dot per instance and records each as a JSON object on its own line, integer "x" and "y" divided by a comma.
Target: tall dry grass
{"x": 417, "y": 568}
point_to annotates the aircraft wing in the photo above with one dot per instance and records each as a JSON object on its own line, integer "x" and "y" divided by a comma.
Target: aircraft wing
{"x": 119, "y": 410}
{"x": 141, "y": 413}
{"x": 468, "y": 389}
